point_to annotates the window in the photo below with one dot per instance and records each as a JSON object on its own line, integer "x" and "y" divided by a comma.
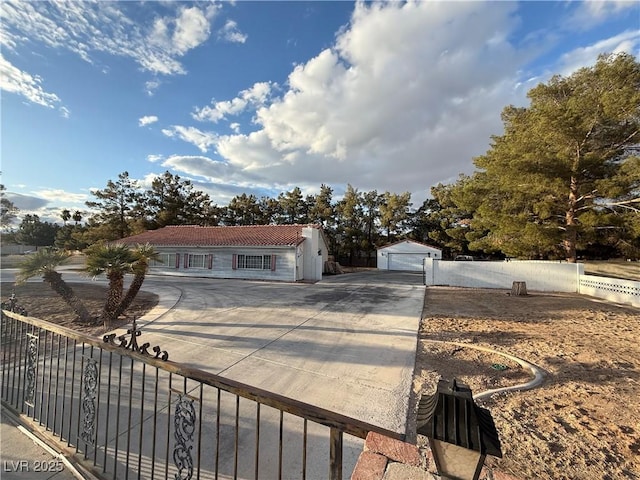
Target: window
{"x": 196, "y": 261}
{"x": 167, "y": 260}
{"x": 254, "y": 262}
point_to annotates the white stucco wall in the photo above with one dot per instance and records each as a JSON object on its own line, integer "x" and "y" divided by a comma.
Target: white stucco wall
{"x": 540, "y": 276}
{"x": 223, "y": 263}
{"x": 406, "y": 255}
{"x": 315, "y": 253}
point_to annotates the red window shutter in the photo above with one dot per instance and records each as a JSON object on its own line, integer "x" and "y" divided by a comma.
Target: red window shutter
{"x": 210, "y": 261}
{"x": 234, "y": 262}
{"x": 186, "y": 260}
{"x": 177, "y": 260}
{"x": 273, "y": 263}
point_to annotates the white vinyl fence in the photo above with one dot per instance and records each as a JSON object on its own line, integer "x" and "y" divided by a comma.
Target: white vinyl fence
{"x": 612, "y": 289}
{"x": 540, "y": 276}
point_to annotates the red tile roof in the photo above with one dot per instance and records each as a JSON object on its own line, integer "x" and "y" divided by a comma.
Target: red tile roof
{"x": 253, "y": 235}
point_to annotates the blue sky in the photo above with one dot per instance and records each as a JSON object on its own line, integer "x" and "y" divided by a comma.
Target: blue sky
{"x": 260, "y": 97}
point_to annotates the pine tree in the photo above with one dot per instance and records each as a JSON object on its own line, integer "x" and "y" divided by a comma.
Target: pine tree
{"x": 565, "y": 166}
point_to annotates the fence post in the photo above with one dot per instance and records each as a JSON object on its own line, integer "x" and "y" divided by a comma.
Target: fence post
{"x": 335, "y": 454}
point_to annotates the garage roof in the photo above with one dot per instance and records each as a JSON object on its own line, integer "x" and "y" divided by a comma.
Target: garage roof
{"x": 409, "y": 242}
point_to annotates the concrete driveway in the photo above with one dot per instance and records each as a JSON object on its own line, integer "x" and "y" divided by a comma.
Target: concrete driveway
{"x": 347, "y": 343}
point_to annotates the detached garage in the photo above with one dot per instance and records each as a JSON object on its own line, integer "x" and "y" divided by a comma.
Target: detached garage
{"x": 407, "y": 255}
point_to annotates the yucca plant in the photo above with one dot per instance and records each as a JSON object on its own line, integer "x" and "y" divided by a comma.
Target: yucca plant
{"x": 114, "y": 261}
{"x": 144, "y": 253}
{"x": 44, "y": 263}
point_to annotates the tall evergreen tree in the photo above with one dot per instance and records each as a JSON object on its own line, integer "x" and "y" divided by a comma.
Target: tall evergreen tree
{"x": 371, "y": 204}
{"x": 322, "y": 211}
{"x": 293, "y": 208}
{"x": 457, "y": 204}
{"x": 426, "y": 221}
{"x": 242, "y": 210}
{"x": 394, "y": 213}
{"x": 33, "y": 231}
{"x": 115, "y": 208}
{"x": 564, "y": 164}
{"x": 269, "y": 209}
{"x": 8, "y": 210}
{"x": 172, "y": 200}
{"x": 349, "y": 221}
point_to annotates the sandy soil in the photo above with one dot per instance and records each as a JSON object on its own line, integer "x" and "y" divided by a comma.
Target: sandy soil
{"x": 42, "y": 302}
{"x": 583, "y": 422}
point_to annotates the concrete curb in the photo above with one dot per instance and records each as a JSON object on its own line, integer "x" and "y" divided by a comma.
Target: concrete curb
{"x": 35, "y": 451}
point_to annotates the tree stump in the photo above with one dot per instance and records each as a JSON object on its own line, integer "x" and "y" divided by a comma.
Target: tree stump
{"x": 519, "y": 289}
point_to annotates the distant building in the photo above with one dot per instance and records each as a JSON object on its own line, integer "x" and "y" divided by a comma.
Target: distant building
{"x": 261, "y": 252}
{"x": 407, "y": 255}
{"x": 16, "y": 249}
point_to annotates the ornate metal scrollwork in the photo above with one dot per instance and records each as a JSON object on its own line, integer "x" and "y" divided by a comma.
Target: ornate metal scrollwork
{"x": 132, "y": 343}
{"x": 90, "y": 385}
{"x": 32, "y": 362}
{"x": 13, "y": 306}
{"x": 184, "y": 423}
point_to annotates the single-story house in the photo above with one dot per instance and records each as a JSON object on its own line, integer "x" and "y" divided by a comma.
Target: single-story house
{"x": 406, "y": 255}
{"x": 265, "y": 252}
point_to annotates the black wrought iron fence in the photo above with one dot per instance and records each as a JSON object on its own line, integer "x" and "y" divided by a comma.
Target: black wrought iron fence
{"x": 128, "y": 412}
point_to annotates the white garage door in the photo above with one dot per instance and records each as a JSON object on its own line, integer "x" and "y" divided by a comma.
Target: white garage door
{"x": 406, "y": 261}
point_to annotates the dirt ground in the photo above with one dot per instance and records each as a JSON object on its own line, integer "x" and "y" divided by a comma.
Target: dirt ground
{"x": 583, "y": 422}
{"x": 41, "y": 302}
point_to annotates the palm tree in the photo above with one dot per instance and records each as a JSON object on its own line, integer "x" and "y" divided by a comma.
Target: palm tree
{"x": 65, "y": 215}
{"x": 114, "y": 260}
{"x": 44, "y": 263}
{"x": 144, "y": 255}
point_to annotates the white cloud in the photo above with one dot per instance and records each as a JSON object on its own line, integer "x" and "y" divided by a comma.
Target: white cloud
{"x": 154, "y": 158}
{"x": 14, "y": 80}
{"x": 202, "y": 140}
{"x": 213, "y": 170}
{"x": 46, "y": 203}
{"x": 192, "y": 29}
{"x": 628, "y": 42}
{"x": 151, "y": 86}
{"x": 401, "y": 101}
{"x": 219, "y": 179}
{"x": 593, "y": 12}
{"x": 147, "y": 120}
{"x": 61, "y": 196}
{"x": 189, "y": 29}
{"x": 85, "y": 28}
{"x": 255, "y": 96}
{"x": 231, "y": 33}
